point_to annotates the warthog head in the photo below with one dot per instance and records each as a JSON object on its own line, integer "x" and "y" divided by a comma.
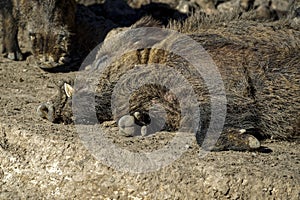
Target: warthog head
{"x": 58, "y": 108}
{"x": 52, "y": 48}
{"x": 50, "y": 32}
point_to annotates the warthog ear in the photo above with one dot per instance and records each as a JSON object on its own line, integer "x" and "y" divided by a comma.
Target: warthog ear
{"x": 69, "y": 90}
{"x": 242, "y": 131}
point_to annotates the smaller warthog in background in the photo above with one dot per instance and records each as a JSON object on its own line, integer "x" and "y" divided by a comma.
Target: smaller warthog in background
{"x": 45, "y": 24}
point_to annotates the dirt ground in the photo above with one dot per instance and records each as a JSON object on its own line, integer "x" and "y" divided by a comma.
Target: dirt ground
{"x": 42, "y": 160}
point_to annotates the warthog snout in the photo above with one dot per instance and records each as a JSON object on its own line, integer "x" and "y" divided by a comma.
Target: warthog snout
{"x": 46, "y": 111}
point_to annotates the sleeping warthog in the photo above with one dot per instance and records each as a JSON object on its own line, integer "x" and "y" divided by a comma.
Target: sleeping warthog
{"x": 259, "y": 65}
{"x": 46, "y": 23}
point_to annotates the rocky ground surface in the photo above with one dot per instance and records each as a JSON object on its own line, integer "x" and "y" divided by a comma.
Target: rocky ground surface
{"x": 40, "y": 159}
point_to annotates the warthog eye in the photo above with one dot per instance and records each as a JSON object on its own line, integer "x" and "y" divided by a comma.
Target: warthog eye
{"x": 32, "y": 36}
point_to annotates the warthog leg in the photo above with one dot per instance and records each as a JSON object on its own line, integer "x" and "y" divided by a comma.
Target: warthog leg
{"x": 10, "y": 44}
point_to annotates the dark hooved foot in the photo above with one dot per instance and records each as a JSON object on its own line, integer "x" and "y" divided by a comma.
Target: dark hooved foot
{"x": 127, "y": 126}
{"x": 134, "y": 125}
{"x": 17, "y": 55}
{"x": 234, "y": 139}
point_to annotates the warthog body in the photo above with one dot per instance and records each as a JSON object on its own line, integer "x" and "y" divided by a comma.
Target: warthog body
{"x": 46, "y": 25}
{"x": 258, "y": 63}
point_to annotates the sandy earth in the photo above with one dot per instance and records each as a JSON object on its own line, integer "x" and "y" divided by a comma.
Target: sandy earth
{"x": 44, "y": 160}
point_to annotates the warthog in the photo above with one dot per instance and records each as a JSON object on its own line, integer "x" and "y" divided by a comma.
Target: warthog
{"x": 259, "y": 66}
{"x": 47, "y": 24}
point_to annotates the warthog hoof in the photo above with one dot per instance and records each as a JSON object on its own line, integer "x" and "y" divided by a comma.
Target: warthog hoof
{"x": 144, "y": 131}
{"x": 52, "y": 63}
{"x": 238, "y": 140}
{"x": 128, "y": 127}
{"x": 17, "y": 55}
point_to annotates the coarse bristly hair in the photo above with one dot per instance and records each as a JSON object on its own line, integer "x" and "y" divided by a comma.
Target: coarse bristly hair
{"x": 202, "y": 21}
{"x": 258, "y": 62}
